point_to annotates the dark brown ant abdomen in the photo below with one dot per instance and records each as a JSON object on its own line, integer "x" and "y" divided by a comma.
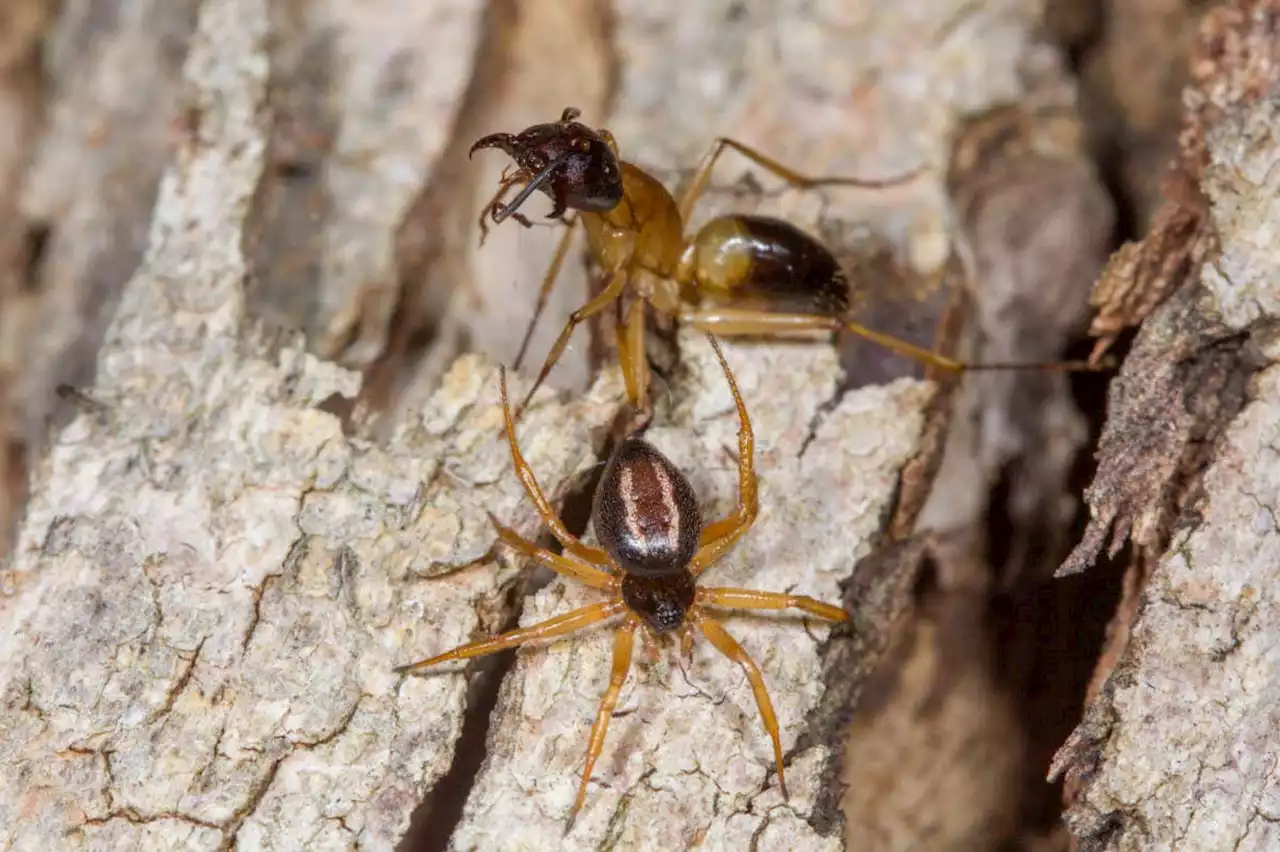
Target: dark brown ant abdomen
{"x": 661, "y": 601}
{"x": 646, "y": 514}
{"x": 763, "y": 263}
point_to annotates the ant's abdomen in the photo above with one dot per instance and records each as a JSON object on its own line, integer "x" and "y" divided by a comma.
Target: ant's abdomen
{"x": 763, "y": 263}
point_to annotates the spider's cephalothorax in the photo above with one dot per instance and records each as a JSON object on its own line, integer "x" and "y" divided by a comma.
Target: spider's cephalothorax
{"x": 654, "y": 547}
{"x": 736, "y": 275}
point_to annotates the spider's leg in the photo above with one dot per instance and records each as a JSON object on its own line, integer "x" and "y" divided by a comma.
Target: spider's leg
{"x": 727, "y": 645}
{"x": 585, "y": 574}
{"x": 730, "y": 598}
{"x": 718, "y": 536}
{"x": 622, "y": 644}
{"x": 593, "y": 555}
{"x": 558, "y": 626}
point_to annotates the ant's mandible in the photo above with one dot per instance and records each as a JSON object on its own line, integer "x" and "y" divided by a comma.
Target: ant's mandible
{"x": 655, "y": 546}
{"x": 737, "y": 275}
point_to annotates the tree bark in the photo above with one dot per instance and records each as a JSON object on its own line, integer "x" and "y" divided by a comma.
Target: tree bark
{"x": 1177, "y": 748}
{"x": 224, "y": 557}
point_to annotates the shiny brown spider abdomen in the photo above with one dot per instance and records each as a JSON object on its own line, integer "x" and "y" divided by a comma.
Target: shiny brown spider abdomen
{"x": 762, "y": 263}
{"x": 575, "y": 166}
{"x": 645, "y": 513}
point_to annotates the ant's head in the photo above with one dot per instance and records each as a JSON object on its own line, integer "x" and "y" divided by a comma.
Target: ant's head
{"x": 576, "y": 167}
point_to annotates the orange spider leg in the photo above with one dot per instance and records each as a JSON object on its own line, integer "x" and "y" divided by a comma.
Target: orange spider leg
{"x": 727, "y": 645}
{"x": 593, "y": 555}
{"x": 585, "y": 574}
{"x": 622, "y": 645}
{"x": 718, "y": 536}
{"x": 731, "y": 598}
{"x": 558, "y": 626}
{"x": 791, "y": 176}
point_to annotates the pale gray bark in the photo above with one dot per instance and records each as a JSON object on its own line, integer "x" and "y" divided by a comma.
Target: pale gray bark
{"x": 1180, "y": 746}
{"x": 213, "y": 582}
{"x": 1177, "y": 749}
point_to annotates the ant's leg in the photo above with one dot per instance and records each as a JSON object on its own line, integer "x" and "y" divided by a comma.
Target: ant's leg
{"x": 544, "y": 291}
{"x": 746, "y": 321}
{"x": 622, "y": 644}
{"x": 791, "y": 176}
{"x": 558, "y": 626}
{"x": 593, "y": 555}
{"x": 718, "y": 536}
{"x": 631, "y": 356}
{"x": 584, "y": 574}
{"x": 617, "y": 283}
{"x": 752, "y": 599}
{"x": 727, "y": 645}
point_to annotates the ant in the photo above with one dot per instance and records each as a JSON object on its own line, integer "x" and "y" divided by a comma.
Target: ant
{"x": 654, "y": 547}
{"x": 737, "y": 275}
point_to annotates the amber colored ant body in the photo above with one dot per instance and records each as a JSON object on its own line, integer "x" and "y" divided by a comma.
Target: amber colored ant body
{"x": 654, "y": 547}
{"x": 737, "y": 275}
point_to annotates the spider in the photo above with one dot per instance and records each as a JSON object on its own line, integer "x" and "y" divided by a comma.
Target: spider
{"x": 736, "y": 275}
{"x": 654, "y": 548}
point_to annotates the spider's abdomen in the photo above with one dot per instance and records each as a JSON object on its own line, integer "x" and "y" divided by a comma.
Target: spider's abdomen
{"x": 662, "y": 601}
{"x": 646, "y": 514}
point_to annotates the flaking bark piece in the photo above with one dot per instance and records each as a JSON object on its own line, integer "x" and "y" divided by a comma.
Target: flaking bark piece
{"x": 1179, "y": 749}
{"x": 1176, "y": 388}
{"x": 686, "y": 760}
{"x": 212, "y": 585}
{"x": 1172, "y": 390}
{"x": 1232, "y": 63}
{"x": 1141, "y": 275}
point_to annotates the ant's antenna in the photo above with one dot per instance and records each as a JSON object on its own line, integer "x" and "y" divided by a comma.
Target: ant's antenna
{"x": 529, "y": 188}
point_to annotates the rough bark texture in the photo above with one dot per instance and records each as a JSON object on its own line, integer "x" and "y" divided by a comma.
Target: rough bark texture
{"x": 233, "y": 537}
{"x": 1177, "y": 749}
{"x": 941, "y": 721}
{"x": 213, "y": 584}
